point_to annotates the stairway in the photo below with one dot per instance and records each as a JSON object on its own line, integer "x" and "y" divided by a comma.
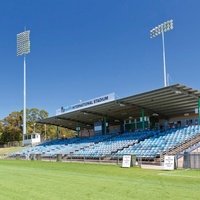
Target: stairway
{"x": 181, "y": 147}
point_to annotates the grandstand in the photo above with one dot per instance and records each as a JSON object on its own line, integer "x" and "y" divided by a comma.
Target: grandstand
{"x": 148, "y": 125}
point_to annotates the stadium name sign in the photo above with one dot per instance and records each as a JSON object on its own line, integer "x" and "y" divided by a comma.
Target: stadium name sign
{"x": 87, "y": 104}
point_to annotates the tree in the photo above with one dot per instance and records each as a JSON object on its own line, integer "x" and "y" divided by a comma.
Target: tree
{"x": 12, "y": 127}
{"x": 34, "y": 115}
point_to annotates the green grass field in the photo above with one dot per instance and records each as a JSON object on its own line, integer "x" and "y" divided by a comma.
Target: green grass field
{"x": 69, "y": 181}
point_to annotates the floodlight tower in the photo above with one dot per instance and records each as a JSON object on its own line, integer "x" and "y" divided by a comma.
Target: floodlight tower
{"x": 160, "y": 29}
{"x": 23, "y": 48}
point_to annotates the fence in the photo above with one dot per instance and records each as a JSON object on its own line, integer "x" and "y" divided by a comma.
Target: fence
{"x": 183, "y": 160}
{"x": 11, "y": 144}
{"x": 188, "y": 160}
{"x": 106, "y": 159}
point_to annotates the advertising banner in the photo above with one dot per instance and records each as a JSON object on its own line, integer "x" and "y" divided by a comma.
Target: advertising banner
{"x": 169, "y": 163}
{"x": 126, "y": 162}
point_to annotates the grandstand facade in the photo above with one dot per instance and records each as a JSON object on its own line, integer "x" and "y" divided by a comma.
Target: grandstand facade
{"x": 148, "y": 125}
{"x": 172, "y": 106}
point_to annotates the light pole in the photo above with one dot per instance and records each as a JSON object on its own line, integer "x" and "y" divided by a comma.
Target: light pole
{"x": 161, "y": 29}
{"x": 23, "y": 48}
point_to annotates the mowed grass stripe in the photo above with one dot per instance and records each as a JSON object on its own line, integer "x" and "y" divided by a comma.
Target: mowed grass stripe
{"x": 48, "y": 180}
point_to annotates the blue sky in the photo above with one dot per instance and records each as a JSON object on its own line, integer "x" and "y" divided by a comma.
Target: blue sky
{"x": 81, "y": 49}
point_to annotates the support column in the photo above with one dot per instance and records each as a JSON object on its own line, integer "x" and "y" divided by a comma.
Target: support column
{"x": 122, "y": 127}
{"x": 199, "y": 111}
{"x": 78, "y": 130}
{"x": 135, "y": 122}
{"x": 142, "y": 113}
{"x": 57, "y": 132}
{"x": 104, "y": 128}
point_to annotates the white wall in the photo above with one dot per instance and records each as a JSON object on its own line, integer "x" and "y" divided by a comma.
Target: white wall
{"x": 32, "y": 139}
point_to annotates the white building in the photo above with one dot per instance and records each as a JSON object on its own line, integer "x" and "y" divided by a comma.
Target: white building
{"x": 31, "y": 139}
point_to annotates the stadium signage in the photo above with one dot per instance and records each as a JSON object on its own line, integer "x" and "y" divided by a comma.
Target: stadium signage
{"x": 87, "y": 104}
{"x": 169, "y": 163}
{"x": 126, "y": 162}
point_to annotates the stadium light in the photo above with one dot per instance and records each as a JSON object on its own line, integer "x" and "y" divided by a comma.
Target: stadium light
{"x": 160, "y": 30}
{"x": 23, "y": 48}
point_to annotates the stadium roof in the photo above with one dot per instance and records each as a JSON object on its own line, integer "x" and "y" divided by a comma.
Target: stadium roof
{"x": 166, "y": 102}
